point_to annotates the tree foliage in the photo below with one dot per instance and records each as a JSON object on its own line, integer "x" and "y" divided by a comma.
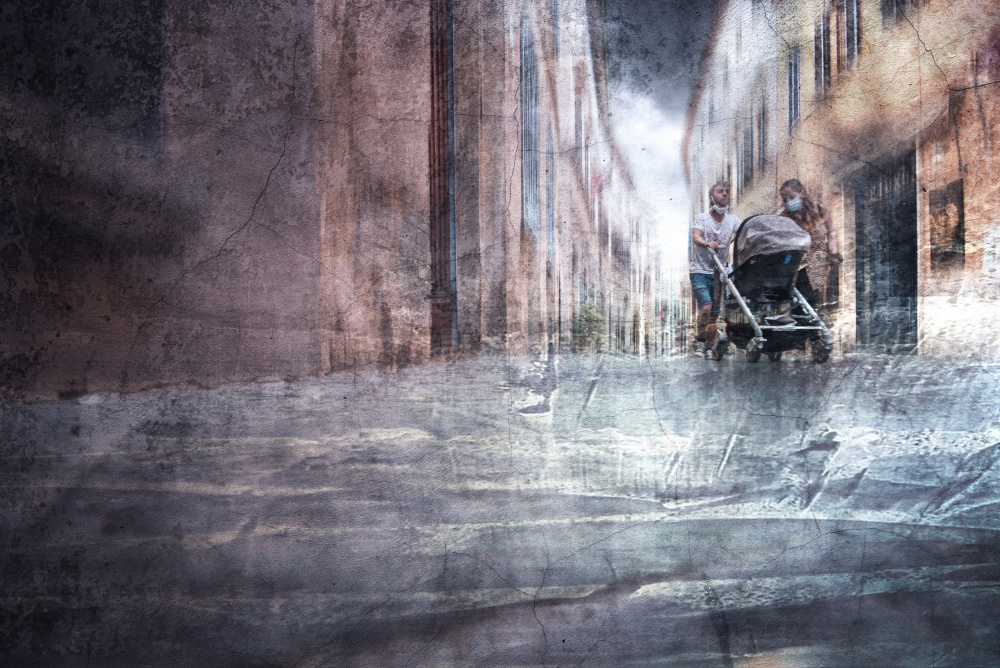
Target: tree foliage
{"x": 589, "y": 327}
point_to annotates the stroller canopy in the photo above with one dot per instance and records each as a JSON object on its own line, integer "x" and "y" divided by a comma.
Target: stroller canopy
{"x": 767, "y": 234}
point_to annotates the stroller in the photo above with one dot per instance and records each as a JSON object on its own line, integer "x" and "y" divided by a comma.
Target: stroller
{"x": 762, "y": 311}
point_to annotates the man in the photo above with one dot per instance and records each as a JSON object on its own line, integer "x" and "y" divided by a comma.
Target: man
{"x": 711, "y": 232}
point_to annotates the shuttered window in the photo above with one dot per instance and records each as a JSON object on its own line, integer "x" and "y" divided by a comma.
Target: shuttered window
{"x": 794, "y": 87}
{"x": 821, "y": 54}
{"x": 849, "y": 31}
{"x": 894, "y": 11}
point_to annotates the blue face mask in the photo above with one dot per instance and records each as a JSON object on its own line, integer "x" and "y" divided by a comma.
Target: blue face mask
{"x": 793, "y": 205}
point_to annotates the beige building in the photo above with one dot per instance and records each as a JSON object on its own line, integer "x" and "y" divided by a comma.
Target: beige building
{"x": 886, "y": 112}
{"x": 213, "y": 193}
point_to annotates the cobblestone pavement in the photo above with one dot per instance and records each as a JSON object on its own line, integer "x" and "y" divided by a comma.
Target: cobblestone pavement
{"x": 581, "y": 510}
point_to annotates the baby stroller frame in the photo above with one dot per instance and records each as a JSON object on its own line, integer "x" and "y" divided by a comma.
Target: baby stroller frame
{"x": 760, "y": 326}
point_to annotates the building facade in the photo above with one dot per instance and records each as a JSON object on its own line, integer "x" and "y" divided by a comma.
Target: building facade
{"x": 885, "y": 110}
{"x": 209, "y": 192}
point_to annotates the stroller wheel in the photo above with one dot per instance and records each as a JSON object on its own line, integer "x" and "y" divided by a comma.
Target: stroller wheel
{"x": 753, "y": 354}
{"x": 719, "y": 350}
{"x": 774, "y": 357}
{"x": 820, "y": 354}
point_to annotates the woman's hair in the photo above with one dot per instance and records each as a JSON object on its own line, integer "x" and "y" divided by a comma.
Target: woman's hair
{"x": 809, "y": 216}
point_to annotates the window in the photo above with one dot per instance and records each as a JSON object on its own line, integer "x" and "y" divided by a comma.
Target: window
{"x": 848, "y": 32}
{"x": 555, "y": 23}
{"x": 578, "y": 128}
{"x": 745, "y": 163}
{"x": 947, "y": 209}
{"x": 529, "y": 134}
{"x": 794, "y": 87}
{"x": 762, "y": 132}
{"x": 740, "y": 170}
{"x": 894, "y": 11}
{"x": 821, "y": 54}
{"x": 550, "y": 195}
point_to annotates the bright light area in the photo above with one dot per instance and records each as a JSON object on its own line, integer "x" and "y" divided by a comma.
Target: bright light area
{"x": 651, "y": 142}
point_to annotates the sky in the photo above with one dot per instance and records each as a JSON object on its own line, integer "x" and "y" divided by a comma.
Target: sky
{"x": 654, "y": 47}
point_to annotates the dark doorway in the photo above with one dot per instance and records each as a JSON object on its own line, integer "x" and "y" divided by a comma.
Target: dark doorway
{"x": 886, "y": 226}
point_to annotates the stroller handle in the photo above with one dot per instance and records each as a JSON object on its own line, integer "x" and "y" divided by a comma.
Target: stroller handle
{"x": 758, "y": 334}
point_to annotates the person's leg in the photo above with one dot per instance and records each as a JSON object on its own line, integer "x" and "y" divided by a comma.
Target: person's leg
{"x": 803, "y": 285}
{"x": 704, "y": 318}
{"x": 701, "y": 287}
{"x": 712, "y": 328}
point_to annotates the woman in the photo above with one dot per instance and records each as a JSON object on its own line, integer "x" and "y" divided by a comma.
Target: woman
{"x": 819, "y": 282}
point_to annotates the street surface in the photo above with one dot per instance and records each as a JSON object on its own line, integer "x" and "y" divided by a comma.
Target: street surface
{"x": 579, "y": 511}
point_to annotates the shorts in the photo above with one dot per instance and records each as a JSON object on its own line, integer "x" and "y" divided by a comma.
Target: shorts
{"x": 703, "y": 286}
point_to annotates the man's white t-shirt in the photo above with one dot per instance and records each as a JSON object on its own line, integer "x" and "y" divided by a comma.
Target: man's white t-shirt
{"x": 722, "y": 233}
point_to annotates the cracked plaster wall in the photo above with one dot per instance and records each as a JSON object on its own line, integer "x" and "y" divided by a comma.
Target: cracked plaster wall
{"x": 372, "y": 110}
{"x": 159, "y": 199}
{"x": 209, "y": 193}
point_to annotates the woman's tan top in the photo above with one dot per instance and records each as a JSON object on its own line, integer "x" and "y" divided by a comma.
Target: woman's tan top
{"x": 816, "y": 261}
